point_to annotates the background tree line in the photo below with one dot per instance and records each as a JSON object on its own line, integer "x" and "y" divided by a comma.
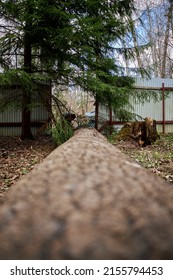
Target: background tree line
{"x": 152, "y": 37}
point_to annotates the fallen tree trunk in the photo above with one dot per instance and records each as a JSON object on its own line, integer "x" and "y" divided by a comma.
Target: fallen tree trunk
{"x": 87, "y": 200}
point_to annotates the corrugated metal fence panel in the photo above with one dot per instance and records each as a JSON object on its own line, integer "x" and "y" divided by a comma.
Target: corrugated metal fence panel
{"x": 168, "y": 128}
{"x": 15, "y": 131}
{"x": 13, "y": 116}
{"x": 10, "y": 115}
{"x": 10, "y": 131}
{"x": 39, "y": 112}
{"x": 169, "y": 107}
{"x": 103, "y": 115}
{"x": 154, "y": 82}
{"x": 151, "y": 108}
{"x": 103, "y": 112}
{"x": 155, "y": 109}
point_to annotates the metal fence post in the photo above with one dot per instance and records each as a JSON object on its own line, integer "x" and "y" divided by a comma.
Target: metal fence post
{"x": 163, "y": 108}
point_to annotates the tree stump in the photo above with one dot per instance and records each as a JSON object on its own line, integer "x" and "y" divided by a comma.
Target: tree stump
{"x": 144, "y": 132}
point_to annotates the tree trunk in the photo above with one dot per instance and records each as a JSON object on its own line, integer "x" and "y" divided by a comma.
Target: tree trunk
{"x": 26, "y": 113}
{"x": 26, "y": 97}
{"x": 136, "y": 46}
{"x": 154, "y": 51}
{"x": 26, "y": 118}
{"x": 165, "y": 46}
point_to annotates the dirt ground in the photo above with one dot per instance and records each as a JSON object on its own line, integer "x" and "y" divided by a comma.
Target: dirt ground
{"x": 17, "y": 157}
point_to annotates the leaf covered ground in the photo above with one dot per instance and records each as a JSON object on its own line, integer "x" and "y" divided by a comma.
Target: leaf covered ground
{"x": 17, "y": 158}
{"x": 158, "y": 157}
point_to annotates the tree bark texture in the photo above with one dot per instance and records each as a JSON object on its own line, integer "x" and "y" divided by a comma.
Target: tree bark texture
{"x": 26, "y": 117}
{"x": 87, "y": 200}
{"x": 144, "y": 132}
{"x": 26, "y": 96}
{"x": 165, "y": 44}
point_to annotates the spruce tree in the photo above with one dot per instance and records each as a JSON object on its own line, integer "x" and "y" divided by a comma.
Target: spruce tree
{"x": 68, "y": 42}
